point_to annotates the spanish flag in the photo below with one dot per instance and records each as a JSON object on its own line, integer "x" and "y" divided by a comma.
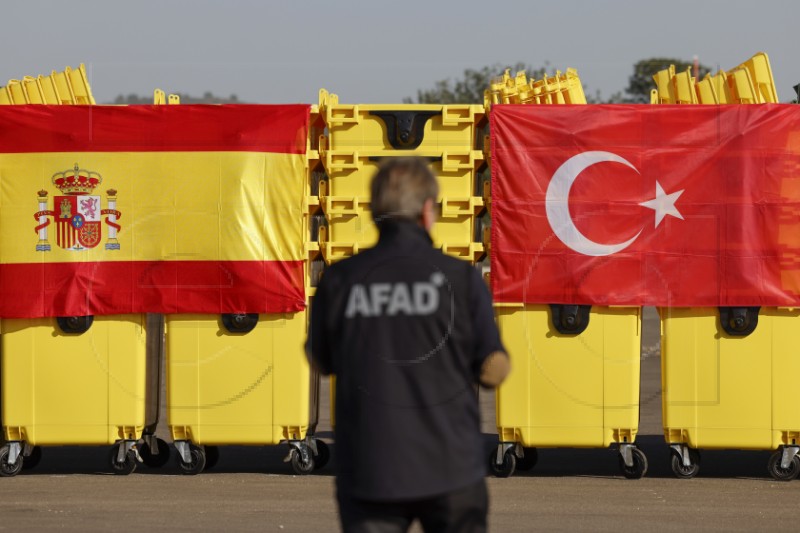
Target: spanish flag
{"x": 163, "y": 209}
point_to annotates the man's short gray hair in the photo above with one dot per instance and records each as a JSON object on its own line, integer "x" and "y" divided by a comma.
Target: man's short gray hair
{"x": 400, "y": 188}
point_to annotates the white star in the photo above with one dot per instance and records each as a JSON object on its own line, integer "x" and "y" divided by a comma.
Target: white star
{"x": 663, "y": 204}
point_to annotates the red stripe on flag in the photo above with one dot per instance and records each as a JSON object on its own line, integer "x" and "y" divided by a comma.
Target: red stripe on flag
{"x": 145, "y": 128}
{"x": 103, "y": 288}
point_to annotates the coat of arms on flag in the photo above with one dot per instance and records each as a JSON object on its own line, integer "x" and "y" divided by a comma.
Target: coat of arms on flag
{"x": 77, "y": 212}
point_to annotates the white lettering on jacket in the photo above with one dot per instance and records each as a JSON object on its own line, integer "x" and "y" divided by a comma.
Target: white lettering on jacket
{"x": 391, "y": 299}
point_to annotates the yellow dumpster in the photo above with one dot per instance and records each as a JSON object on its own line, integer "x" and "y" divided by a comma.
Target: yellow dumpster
{"x": 76, "y": 381}
{"x": 241, "y": 380}
{"x": 729, "y": 380}
{"x": 575, "y": 383}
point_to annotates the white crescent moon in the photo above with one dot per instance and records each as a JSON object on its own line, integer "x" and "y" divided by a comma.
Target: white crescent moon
{"x": 557, "y": 204}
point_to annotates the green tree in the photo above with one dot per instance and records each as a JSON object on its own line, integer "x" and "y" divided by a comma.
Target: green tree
{"x": 640, "y": 83}
{"x": 469, "y": 88}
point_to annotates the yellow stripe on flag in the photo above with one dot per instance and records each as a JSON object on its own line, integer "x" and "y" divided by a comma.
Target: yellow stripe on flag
{"x": 183, "y": 206}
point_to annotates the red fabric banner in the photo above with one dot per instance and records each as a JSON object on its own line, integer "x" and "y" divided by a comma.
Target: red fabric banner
{"x": 646, "y": 205}
{"x": 162, "y": 209}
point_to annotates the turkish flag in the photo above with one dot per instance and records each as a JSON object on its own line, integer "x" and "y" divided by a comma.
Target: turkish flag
{"x": 646, "y": 205}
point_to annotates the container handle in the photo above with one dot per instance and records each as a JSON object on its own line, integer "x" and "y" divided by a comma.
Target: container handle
{"x": 405, "y": 129}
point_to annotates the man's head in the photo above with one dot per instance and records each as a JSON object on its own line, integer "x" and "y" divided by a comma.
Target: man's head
{"x": 406, "y": 189}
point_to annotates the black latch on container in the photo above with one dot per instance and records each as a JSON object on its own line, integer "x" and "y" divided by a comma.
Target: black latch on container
{"x": 739, "y": 321}
{"x": 379, "y": 158}
{"x": 240, "y": 322}
{"x": 570, "y": 319}
{"x": 74, "y": 324}
{"x": 405, "y": 129}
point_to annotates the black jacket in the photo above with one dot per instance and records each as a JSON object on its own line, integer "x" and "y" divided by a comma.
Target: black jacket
{"x": 405, "y": 329}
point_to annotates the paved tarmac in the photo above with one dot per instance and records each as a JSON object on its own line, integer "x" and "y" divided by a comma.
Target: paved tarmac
{"x": 251, "y": 489}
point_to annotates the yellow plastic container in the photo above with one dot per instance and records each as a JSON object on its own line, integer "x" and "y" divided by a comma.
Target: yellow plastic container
{"x": 562, "y": 88}
{"x": 568, "y": 390}
{"x": 74, "y": 389}
{"x": 761, "y": 75}
{"x": 234, "y": 388}
{"x": 350, "y": 228}
{"x": 252, "y": 388}
{"x": 723, "y": 391}
{"x": 350, "y": 172}
{"x": 407, "y": 127}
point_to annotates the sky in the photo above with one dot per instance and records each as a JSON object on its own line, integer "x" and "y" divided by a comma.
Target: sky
{"x": 378, "y": 51}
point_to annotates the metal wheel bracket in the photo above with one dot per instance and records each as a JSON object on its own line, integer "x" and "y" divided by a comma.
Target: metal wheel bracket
{"x": 300, "y": 447}
{"x": 183, "y": 449}
{"x": 14, "y": 451}
{"x": 519, "y": 451}
{"x": 312, "y": 445}
{"x": 503, "y": 447}
{"x": 27, "y": 449}
{"x": 788, "y": 456}
{"x": 683, "y": 452}
{"x": 152, "y": 443}
{"x": 626, "y": 452}
{"x": 124, "y": 447}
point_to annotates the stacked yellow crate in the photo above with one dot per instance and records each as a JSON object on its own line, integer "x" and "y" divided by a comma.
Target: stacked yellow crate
{"x": 709, "y": 356}
{"x": 59, "y": 88}
{"x": 245, "y": 379}
{"x": 748, "y": 83}
{"x": 359, "y": 137}
{"x": 562, "y": 88}
{"x": 94, "y": 405}
{"x": 576, "y": 368}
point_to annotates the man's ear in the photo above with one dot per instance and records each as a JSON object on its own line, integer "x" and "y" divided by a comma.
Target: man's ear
{"x": 428, "y": 213}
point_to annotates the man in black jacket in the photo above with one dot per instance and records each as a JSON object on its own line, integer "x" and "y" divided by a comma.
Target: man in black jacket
{"x": 408, "y": 332}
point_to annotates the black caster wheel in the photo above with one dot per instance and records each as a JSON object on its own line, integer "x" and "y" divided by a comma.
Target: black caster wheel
{"x": 212, "y": 456}
{"x": 197, "y": 462}
{"x": 7, "y": 470}
{"x": 507, "y": 467}
{"x": 300, "y": 467}
{"x": 33, "y": 459}
{"x": 529, "y": 460}
{"x": 124, "y": 467}
{"x": 323, "y": 455}
{"x": 155, "y": 460}
{"x": 639, "y": 467}
{"x": 780, "y": 473}
{"x": 682, "y": 471}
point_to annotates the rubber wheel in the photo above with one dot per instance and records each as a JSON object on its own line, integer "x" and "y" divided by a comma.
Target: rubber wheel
{"x": 125, "y": 467}
{"x": 685, "y": 472}
{"x": 33, "y": 459}
{"x": 7, "y": 470}
{"x": 198, "y": 461}
{"x": 323, "y": 455}
{"x": 529, "y": 460}
{"x": 639, "y": 468}
{"x": 779, "y": 473}
{"x": 298, "y": 466}
{"x": 212, "y": 456}
{"x": 155, "y": 460}
{"x": 506, "y": 468}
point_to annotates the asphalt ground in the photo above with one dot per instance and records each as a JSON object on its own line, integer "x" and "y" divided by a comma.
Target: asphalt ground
{"x": 252, "y": 489}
